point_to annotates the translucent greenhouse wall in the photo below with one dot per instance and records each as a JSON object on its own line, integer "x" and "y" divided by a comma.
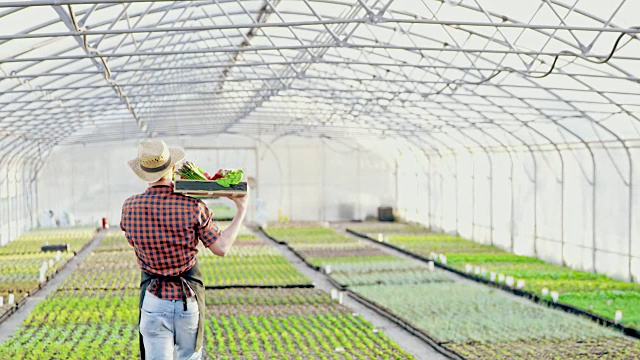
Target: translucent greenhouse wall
{"x": 297, "y": 178}
{"x": 564, "y": 207}
{"x": 17, "y": 196}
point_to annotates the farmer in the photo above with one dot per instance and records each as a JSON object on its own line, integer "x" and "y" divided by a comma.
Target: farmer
{"x": 164, "y": 228}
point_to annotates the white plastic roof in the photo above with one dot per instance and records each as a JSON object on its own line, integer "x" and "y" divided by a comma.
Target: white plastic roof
{"x": 446, "y": 74}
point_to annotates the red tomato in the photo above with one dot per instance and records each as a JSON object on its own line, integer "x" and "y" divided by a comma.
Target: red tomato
{"x": 220, "y": 174}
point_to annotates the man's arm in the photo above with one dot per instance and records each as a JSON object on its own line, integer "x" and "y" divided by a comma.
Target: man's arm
{"x": 228, "y": 236}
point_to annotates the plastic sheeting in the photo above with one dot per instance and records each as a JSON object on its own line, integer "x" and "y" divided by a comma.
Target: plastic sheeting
{"x": 570, "y": 207}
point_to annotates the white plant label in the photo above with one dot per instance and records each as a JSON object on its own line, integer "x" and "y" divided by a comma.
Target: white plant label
{"x": 468, "y": 268}
{"x": 11, "y": 299}
{"x": 380, "y": 237}
{"x": 340, "y": 298}
{"x": 545, "y": 291}
{"x": 432, "y": 265}
{"x": 1, "y": 301}
{"x": 58, "y": 256}
{"x": 510, "y": 281}
{"x": 618, "y": 317}
{"x": 555, "y": 296}
{"x": 43, "y": 275}
{"x": 327, "y": 269}
{"x": 334, "y": 294}
{"x": 500, "y": 277}
{"x": 520, "y": 284}
{"x": 493, "y": 276}
{"x": 476, "y": 271}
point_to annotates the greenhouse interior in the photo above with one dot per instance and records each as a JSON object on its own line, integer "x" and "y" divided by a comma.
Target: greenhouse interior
{"x": 393, "y": 179}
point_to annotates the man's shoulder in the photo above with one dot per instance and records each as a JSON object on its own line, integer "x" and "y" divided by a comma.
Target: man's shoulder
{"x": 134, "y": 199}
{"x": 185, "y": 198}
{"x": 131, "y": 198}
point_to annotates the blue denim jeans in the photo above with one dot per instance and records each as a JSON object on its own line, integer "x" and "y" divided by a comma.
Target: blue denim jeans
{"x": 166, "y": 328}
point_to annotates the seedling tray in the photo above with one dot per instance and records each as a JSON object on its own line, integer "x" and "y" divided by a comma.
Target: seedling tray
{"x": 208, "y": 189}
{"x": 55, "y": 247}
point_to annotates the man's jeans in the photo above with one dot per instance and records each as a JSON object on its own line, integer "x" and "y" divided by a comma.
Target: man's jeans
{"x": 164, "y": 323}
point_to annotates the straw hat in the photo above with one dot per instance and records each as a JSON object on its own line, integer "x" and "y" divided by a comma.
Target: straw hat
{"x": 155, "y": 159}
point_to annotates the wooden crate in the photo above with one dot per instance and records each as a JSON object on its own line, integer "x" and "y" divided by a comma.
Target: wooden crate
{"x": 208, "y": 189}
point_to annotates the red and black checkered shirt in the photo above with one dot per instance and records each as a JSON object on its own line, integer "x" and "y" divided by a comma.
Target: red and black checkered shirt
{"x": 164, "y": 227}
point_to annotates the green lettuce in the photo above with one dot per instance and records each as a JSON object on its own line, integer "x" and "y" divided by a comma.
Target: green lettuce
{"x": 232, "y": 178}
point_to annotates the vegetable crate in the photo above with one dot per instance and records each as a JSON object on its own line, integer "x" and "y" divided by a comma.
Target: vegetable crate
{"x": 208, "y": 189}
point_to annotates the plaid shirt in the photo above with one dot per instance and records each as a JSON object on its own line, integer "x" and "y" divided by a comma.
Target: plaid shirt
{"x": 164, "y": 227}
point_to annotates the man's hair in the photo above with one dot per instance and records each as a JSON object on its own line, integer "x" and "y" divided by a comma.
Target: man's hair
{"x": 169, "y": 174}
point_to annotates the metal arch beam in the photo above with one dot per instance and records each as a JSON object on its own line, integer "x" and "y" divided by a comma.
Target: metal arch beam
{"x": 271, "y": 87}
{"x": 98, "y": 60}
{"x": 298, "y": 47}
{"x": 407, "y": 81}
{"x": 321, "y": 62}
{"x": 323, "y": 23}
{"x": 319, "y": 90}
{"x": 464, "y": 30}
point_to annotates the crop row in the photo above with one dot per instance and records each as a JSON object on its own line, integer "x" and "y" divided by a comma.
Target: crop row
{"x": 251, "y": 262}
{"x": 352, "y": 261}
{"x": 590, "y": 348}
{"x": 31, "y": 242}
{"x": 323, "y": 336}
{"x": 596, "y": 293}
{"x": 24, "y": 267}
{"x": 459, "y": 315}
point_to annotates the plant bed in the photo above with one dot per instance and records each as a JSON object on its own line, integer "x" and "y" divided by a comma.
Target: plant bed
{"x": 463, "y": 312}
{"x": 606, "y": 303}
{"x": 32, "y": 241}
{"x": 105, "y": 278}
{"x": 612, "y": 348}
{"x": 362, "y": 251}
{"x": 538, "y": 276}
{"x": 388, "y": 277}
{"x": 328, "y": 336}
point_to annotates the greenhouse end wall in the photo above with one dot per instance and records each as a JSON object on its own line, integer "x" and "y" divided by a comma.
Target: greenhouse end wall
{"x": 297, "y": 178}
{"x": 573, "y": 207}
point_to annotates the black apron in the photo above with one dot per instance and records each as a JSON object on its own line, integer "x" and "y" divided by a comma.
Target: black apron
{"x": 193, "y": 277}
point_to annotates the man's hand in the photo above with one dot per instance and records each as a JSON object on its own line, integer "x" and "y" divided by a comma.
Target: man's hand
{"x": 240, "y": 200}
